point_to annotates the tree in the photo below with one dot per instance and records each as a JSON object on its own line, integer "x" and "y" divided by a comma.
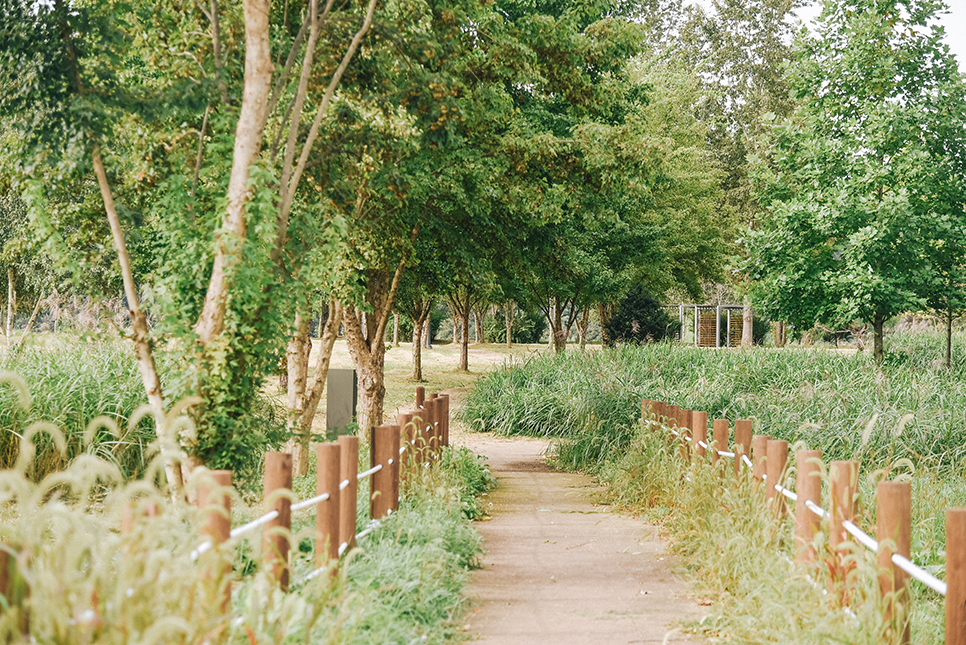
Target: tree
{"x": 640, "y": 319}
{"x": 859, "y": 181}
{"x": 115, "y": 93}
{"x": 741, "y": 49}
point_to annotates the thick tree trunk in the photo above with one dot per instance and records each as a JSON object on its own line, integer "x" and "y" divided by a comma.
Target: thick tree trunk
{"x": 248, "y": 144}
{"x": 313, "y": 394}
{"x": 603, "y": 313}
{"x": 428, "y": 329}
{"x": 297, "y": 370}
{"x": 395, "y": 330}
{"x": 11, "y": 300}
{"x": 140, "y": 336}
{"x": 778, "y": 333}
{"x": 948, "y": 358}
{"x": 747, "y": 324}
{"x": 508, "y": 318}
{"x": 878, "y": 352}
{"x": 417, "y": 350}
{"x": 368, "y": 349}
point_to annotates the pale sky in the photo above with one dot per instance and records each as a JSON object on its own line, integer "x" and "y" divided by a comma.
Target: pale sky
{"x": 954, "y": 23}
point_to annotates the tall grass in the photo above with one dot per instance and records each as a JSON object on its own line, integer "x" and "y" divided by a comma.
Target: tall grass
{"x": 74, "y": 381}
{"x": 824, "y": 398}
{"x": 905, "y": 420}
{"x": 80, "y": 580}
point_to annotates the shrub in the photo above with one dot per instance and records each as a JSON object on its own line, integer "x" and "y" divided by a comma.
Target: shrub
{"x": 640, "y": 318}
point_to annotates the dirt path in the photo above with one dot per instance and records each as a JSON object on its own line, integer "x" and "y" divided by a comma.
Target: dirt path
{"x": 560, "y": 569}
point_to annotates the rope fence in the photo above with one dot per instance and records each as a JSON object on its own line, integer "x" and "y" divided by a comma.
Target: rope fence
{"x": 768, "y": 463}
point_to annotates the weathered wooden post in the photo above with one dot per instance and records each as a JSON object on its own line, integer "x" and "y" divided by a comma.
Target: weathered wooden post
{"x": 699, "y": 421}
{"x": 444, "y": 417}
{"x": 408, "y": 438}
{"x": 759, "y": 455}
{"x": 420, "y": 396}
{"x": 720, "y": 433}
{"x": 396, "y": 466}
{"x": 275, "y": 534}
{"x": 432, "y": 429}
{"x": 777, "y": 457}
{"x": 843, "y": 484}
{"x": 380, "y": 484}
{"x": 215, "y": 504}
{"x": 327, "y": 511}
{"x": 743, "y": 432}
{"x": 348, "y": 496}
{"x": 808, "y": 485}
{"x": 894, "y": 529}
{"x": 956, "y": 576}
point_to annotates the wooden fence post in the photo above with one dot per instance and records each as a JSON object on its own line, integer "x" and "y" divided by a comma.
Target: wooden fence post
{"x": 327, "y": 511}
{"x": 380, "y": 484}
{"x": 348, "y": 471}
{"x": 396, "y": 466}
{"x": 743, "y": 431}
{"x": 432, "y": 429}
{"x": 808, "y": 485}
{"x": 843, "y": 483}
{"x": 444, "y": 417}
{"x": 699, "y": 421}
{"x": 275, "y": 534}
{"x": 420, "y": 396}
{"x": 407, "y": 436}
{"x": 720, "y": 433}
{"x": 955, "y": 576}
{"x": 894, "y": 529}
{"x": 215, "y": 504}
{"x": 759, "y": 455}
{"x": 777, "y": 457}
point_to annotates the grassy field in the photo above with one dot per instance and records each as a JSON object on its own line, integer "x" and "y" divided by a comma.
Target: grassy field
{"x": 905, "y": 421}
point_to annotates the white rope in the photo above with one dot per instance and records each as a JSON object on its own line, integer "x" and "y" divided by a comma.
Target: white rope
{"x": 391, "y": 462}
{"x": 747, "y": 461}
{"x": 344, "y": 485}
{"x": 723, "y": 453}
{"x": 402, "y": 450}
{"x": 687, "y": 438}
{"x": 254, "y": 524}
{"x": 371, "y": 471}
{"x": 861, "y": 536}
{"x": 342, "y": 548}
{"x": 312, "y": 501}
{"x": 200, "y": 550}
{"x": 815, "y": 508}
{"x": 675, "y": 432}
{"x": 702, "y": 444}
{"x": 374, "y": 525}
{"x": 919, "y": 574}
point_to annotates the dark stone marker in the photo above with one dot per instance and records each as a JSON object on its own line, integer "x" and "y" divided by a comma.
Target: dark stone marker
{"x": 340, "y": 401}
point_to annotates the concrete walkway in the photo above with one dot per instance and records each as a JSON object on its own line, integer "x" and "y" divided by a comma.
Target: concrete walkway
{"x": 560, "y": 569}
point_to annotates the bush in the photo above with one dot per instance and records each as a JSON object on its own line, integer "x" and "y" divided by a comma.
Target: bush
{"x": 640, "y": 319}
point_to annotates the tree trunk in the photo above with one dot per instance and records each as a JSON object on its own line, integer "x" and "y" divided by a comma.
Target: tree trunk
{"x": 948, "y": 359}
{"x": 30, "y": 324}
{"x": 313, "y": 397}
{"x": 778, "y": 333}
{"x": 464, "y": 365}
{"x": 368, "y": 349}
{"x": 747, "y": 324}
{"x": 428, "y": 328}
{"x": 297, "y": 369}
{"x": 140, "y": 336}
{"x": 558, "y": 338}
{"x": 878, "y": 322}
{"x": 11, "y": 301}
{"x": 395, "y": 330}
{"x": 582, "y": 327}
{"x": 603, "y": 313}
{"x": 479, "y": 316}
{"x": 417, "y": 350}
{"x": 508, "y": 317}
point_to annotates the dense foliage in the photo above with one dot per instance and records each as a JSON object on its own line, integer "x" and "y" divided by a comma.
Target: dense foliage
{"x": 640, "y": 318}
